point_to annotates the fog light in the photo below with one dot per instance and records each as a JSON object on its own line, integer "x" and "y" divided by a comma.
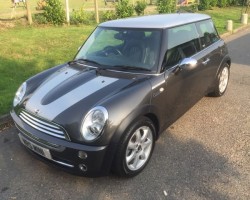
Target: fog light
{"x": 83, "y": 167}
{"x": 82, "y": 155}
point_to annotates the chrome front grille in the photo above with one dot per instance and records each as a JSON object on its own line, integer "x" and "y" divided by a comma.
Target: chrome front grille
{"x": 43, "y": 126}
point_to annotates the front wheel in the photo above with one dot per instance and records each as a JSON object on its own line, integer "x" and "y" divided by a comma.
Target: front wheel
{"x": 221, "y": 82}
{"x": 136, "y": 148}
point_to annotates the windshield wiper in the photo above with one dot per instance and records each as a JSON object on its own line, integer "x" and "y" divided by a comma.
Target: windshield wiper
{"x": 80, "y": 60}
{"x": 125, "y": 67}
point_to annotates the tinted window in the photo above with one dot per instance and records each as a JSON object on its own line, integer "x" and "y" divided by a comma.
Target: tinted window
{"x": 182, "y": 43}
{"x": 207, "y": 33}
{"x": 105, "y": 38}
{"x": 115, "y": 47}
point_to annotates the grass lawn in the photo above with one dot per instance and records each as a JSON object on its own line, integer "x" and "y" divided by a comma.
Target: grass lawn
{"x": 220, "y": 17}
{"x": 26, "y": 51}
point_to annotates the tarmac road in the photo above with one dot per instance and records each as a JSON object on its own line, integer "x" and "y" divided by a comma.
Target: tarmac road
{"x": 204, "y": 155}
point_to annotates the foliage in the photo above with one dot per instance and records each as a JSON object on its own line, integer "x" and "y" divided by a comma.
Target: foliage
{"x": 166, "y": 6}
{"x": 41, "y": 4}
{"x": 223, "y": 3}
{"x": 238, "y": 2}
{"x": 107, "y": 15}
{"x": 124, "y": 9}
{"x": 81, "y": 17}
{"x": 207, "y": 4}
{"x": 140, "y": 7}
{"x": 213, "y": 3}
{"x": 40, "y": 18}
{"x": 54, "y": 12}
{"x": 204, "y": 5}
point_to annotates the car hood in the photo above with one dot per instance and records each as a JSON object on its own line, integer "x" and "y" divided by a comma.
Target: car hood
{"x": 69, "y": 87}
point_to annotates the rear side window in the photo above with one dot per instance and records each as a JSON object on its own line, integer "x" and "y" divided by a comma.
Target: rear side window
{"x": 182, "y": 42}
{"x": 207, "y": 32}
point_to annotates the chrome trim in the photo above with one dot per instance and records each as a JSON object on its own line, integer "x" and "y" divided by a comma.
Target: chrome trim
{"x": 158, "y": 84}
{"x": 40, "y": 125}
{"x": 84, "y": 127}
{"x": 40, "y": 129}
{"x": 62, "y": 163}
{"x": 44, "y": 123}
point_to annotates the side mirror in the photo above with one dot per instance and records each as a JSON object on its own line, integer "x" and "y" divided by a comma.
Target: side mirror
{"x": 189, "y": 63}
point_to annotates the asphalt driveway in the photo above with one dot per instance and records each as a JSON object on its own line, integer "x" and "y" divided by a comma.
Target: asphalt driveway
{"x": 204, "y": 155}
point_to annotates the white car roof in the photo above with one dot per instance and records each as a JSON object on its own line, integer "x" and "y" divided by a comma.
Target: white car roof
{"x": 156, "y": 21}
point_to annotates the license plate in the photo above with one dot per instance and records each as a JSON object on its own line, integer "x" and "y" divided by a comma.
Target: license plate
{"x": 36, "y": 148}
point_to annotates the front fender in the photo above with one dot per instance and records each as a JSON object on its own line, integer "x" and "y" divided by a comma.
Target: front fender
{"x": 123, "y": 110}
{"x": 226, "y": 59}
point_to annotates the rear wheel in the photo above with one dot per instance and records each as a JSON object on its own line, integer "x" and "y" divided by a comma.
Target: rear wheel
{"x": 136, "y": 148}
{"x": 221, "y": 82}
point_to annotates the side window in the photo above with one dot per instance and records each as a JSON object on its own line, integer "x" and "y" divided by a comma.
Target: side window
{"x": 207, "y": 32}
{"x": 182, "y": 42}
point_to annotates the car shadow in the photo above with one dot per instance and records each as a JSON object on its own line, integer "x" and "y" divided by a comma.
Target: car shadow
{"x": 181, "y": 170}
{"x": 239, "y": 50}
{"x": 177, "y": 170}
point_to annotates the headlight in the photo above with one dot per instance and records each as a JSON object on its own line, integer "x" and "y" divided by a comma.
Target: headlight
{"x": 19, "y": 94}
{"x": 93, "y": 123}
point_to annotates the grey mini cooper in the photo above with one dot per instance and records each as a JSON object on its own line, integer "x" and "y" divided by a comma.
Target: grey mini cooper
{"x": 129, "y": 81}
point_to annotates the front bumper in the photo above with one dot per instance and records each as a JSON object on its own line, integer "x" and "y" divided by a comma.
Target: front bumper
{"x": 63, "y": 153}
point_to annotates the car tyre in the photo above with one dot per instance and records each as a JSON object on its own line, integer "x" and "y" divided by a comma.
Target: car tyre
{"x": 221, "y": 82}
{"x": 135, "y": 148}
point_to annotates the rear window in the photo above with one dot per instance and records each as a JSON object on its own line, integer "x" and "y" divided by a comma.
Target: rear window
{"x": 207, "y": 32}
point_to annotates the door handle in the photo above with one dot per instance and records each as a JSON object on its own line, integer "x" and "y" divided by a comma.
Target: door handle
{"x": 206, "y": 61}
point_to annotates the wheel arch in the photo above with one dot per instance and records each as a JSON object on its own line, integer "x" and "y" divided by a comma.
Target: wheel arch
{"x": 225, "y": 60}
{"x": 122, "y": 128}
{"x": 155, "y": 121}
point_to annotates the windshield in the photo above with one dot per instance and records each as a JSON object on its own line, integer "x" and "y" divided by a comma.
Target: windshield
{"x": 120, "y": 48}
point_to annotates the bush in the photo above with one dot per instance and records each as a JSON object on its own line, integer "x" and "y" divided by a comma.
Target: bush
{"x": 166, "y": 6}
{"x": 213, "y": 3}
{"x": 54, "y": 12}
{"x": 140, "y": 7}
{"x": 204, "y": 5}
{"x": 81, "y": 17}
{"x": 223, "y": 3}
{"x": 107, "y": 15}
{"x": 124, "y": 9}
{"x": 40, "y": 18}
